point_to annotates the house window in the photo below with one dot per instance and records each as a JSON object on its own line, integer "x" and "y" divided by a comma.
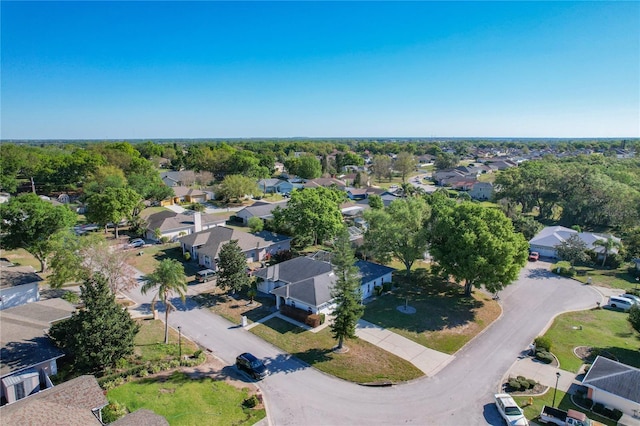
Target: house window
{"x": 19, "y": 388}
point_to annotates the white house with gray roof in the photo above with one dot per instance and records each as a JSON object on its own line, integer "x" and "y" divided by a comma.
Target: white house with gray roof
{"x": 19, "y": 285}
{"x": 546, "y": 241}
{"x": 305, "y": 283}
{"x": 614, "y": 384}
{"x": 173, "y": 225}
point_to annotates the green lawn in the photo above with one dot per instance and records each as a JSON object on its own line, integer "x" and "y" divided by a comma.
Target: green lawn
{"x": 563, "y": 402}
{"x": 601, "y": 328}
{"x": 445, "y": 320}
{"x": 154, "y": 254}
{"x": 185, "y": 401}
{"x": 363, "y": 363}
{"x": 149, "y": 342}
{"x": 21, "y": 257}
{"x": 612, "y": 278}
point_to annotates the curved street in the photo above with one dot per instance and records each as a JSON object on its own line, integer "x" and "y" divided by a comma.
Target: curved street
{"x": 460, "y": 394}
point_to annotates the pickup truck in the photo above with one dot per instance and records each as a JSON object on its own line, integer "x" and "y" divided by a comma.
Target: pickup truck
{"x": 566, "y": 418}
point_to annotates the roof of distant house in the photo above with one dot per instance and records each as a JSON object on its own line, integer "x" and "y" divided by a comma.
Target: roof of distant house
{"x": 262, "y": 209}
{"x": 22, "y": 335}
{"x": 324, "y": 182}
{"x": 183, "y": 191}
{"x": 13, "y": 276}
{"x": 614, "y": 377}
{"x": 69, "y": 403}
{"x": 552, "y": 236}
{"x": 168, "y": 220}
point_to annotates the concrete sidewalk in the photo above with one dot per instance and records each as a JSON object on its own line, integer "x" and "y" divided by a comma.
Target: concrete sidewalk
{"x": 427, "y": 360}
{"x": 544, "y": 374}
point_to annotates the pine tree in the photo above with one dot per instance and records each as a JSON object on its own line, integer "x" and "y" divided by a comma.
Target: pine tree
{"x": 232, "y": 267}
{"x": 346, "y": 292}
{"x": 100, "y": 334}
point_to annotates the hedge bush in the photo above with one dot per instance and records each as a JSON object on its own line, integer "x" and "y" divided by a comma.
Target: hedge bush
{"x": 544, "y": 356}
{"x": 543, "y": 343}
{"x": 377, "y": 290}
{"x": 386, "y": 286}
{"x": 251, "y": 402}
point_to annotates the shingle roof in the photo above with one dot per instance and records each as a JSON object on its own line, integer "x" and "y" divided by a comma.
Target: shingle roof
{"x": 552, "y": 236}
{"x": 210, "y": 241}
{"x": 614, "y": 377}
{"x": 168, "y": 220}
{"x": 312, "y": 291}
{"x": 12, "y": 276}
{"x": 262, "y": 209}
{"x": 294, "y": 270}
{"x": 69, "y": 403}
{"x": 141, "y": 417}
{"x": 370, "y": 271}
{"x": 22, "y": 334}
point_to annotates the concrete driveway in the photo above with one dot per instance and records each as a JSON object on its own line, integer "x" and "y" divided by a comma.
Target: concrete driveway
{"x": 459, "y": 394}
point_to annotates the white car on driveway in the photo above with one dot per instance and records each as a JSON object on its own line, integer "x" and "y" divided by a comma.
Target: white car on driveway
{"x": 509, "y": 410}
{"x": 138, "y": 242}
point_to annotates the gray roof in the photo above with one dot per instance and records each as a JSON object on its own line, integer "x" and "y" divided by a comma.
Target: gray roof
{"x": 313, "y": 291}
{"x": 294, "y": 270}
{"x": 69, "y": 403}
{"x": 262, "y": 209}
{"x": 168, "y": 220}
{"x": 614, "y": 377}
{"x": 370, "y": 271}
{"x": 552, "y": 236}
{"x": 210, "y": 241}
{"x": 22, "y": 335}
{"x": 12, "y": 276}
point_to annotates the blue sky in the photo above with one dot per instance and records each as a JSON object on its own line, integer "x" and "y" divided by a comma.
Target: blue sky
{"x": 103, "y": 70}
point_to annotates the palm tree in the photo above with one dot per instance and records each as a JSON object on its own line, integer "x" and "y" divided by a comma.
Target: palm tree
{"x": 609, "y": 244}
{"x": 169, "y": 278}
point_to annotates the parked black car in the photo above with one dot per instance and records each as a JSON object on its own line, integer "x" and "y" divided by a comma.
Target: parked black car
{"x": 252, "y": 365}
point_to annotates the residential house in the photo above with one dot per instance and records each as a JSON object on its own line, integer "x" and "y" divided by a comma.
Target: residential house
{"x": 205, "y": 245}
{"x": 615, "y": 385}
{"x": 357, "y": 193}
{"x": 305, "y": 282}
{"x": 481, "y": 191}
{"x": 183, "y": 194}
{"x": 27, "y": 356}
{"x": 352, "y": 210}
{"x": 275, "y": 186}
{"x": 173, "y": 178}
{"x": 77, "y": 402}
{"x": 19, "y": 285}
{"x": 173, "y": 225}
{"x": 261, "y": 209}
{"x": 441, "y": 177}
{"x": 546, "y": 241}
{"x": 326, "y": 183}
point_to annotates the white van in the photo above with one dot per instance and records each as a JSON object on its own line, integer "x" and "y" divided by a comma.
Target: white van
{"x": 205, "y": 275}
{"x": 621, "y": 303}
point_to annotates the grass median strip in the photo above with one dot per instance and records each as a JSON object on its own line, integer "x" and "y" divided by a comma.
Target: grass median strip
{"x": 364, "y": 363}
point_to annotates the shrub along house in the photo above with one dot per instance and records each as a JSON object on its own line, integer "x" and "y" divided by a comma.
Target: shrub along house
{"x": 305, "y": 282}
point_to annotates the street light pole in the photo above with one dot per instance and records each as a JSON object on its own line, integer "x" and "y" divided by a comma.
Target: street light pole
{"x": 553, "y": 404}
{"x": 180, "y": 342}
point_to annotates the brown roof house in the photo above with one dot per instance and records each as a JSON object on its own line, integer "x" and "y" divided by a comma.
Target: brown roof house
{"x": 614, "y": 385}
{"x": 183, "y": 194}
{"x": 205, "y": 245}
{"x": 27, "y": 355}
{"x": 18, "y": 285}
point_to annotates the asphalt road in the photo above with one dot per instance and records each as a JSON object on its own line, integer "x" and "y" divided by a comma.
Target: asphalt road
{"x": 460, "y": 394}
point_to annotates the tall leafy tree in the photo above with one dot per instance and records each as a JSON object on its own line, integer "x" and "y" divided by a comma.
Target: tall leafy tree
{"x": 398, "y": 231}
{"x": 312, "y": 215}
{"x": 381, "y": 166}
{"x": 476, "y": 245}
{"x": 375, "y": 202}
{"x": 573, "y": 250}
{"x": 346, "y": 292}
{"x": 32, "y": 224}
{"x": 79, "y": 258}
{"x": 169, "y": 279}
{"x": 232, "y": 267}
{"x": 100, "y": 334}
{"x": 404, "y": 164}
{"x": 112, "y": 206}
{"x": 634, "y": 317}
{"x": 309, "y": 167}
{"x": 236, "y": 187}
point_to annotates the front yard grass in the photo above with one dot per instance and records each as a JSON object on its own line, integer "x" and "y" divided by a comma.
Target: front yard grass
{"x": 611, "y": 278}
{"x": 152, "y": 255}
{"x": 149, "y": 342}
{"x": 605, "y": 329}
{"x": 363, "y": 363}
{"x": 234, "y": 307}
{"x": 185, "y": 401}
{"x": 444, "y": 320}
{"x": 563, "y": 401}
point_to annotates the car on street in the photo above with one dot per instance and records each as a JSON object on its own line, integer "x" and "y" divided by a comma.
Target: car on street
{"x": 251, "y": 365}
{"x": 135, "y": 243}
{"x": 509, "y": 410}
{"x": 534, "y": 256}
